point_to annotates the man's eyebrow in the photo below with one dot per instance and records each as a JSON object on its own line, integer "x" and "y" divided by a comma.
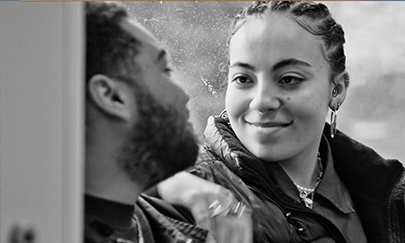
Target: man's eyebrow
{"x": 162, "y": 54}
{"x": 242, "y": 64}
{"x": 288, "y": 62}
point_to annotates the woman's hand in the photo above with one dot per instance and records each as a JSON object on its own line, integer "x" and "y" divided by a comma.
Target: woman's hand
{"x": 212, "y": 206}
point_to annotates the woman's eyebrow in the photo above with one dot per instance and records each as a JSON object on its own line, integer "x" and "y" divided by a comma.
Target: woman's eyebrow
{"x": 290, "y": 61}
{"x": 281, "y": 64}
{"x": 244, "y": 65}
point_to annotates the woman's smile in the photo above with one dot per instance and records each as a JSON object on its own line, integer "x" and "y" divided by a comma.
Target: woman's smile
{"x": 269, "y": 124}
{"x": 265, "y": 131}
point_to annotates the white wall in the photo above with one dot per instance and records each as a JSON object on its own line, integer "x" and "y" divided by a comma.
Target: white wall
{"x": 41, "y": 119}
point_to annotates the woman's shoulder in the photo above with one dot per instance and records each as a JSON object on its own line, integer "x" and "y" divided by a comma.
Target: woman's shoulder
{"x": 361, "y": 167}
{"x": 208, "y": 163}
{"x": 348, "y": 151}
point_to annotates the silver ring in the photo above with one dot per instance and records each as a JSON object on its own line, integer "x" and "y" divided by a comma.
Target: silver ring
{"x": 239, "y": 209}
{"x": 216, "y": 208}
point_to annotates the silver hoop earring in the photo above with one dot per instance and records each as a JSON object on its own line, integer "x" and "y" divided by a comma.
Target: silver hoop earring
{"x": 224, "y": 115}
{"x": 333, "y": 120}
{"x": 335, "y": 92}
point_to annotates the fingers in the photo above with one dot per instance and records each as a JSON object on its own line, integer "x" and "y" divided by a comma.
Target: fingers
{"x": 201, "y": 213}
{"x": 247, "y": 227}
{"x": 235, "y": 228}
{"x": 213, "y": 207}
{"x": 210, "y": 201}
{"x": 230, "y": 224}
{"x": 238, "y": 209}
{"x": 217, "y": 210}
{"x": 226, "y": 222}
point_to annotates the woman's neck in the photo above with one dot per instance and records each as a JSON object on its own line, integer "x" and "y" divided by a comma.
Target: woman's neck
{"x": 303, "y": 170}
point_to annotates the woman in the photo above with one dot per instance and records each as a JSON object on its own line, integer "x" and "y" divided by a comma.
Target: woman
{"x": 303, "y": 180}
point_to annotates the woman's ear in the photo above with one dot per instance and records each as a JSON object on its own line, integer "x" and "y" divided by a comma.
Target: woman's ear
{"x": 339, "y": 89}
{"x": 110, "y": 96}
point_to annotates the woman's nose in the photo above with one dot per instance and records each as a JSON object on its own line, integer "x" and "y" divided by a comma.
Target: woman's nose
{"x": 265, "y": 98}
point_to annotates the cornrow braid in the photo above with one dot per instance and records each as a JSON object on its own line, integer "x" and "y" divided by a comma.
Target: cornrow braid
{"x": 314, "y": 17}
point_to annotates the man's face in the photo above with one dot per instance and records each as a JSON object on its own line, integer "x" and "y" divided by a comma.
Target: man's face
{"x": 161, "y": 141}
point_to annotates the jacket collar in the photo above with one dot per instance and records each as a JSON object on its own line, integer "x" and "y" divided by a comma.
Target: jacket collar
{"x": 357, "y": 165}
{"x": 222, "y": 140}
{"x": 331, "y": 187}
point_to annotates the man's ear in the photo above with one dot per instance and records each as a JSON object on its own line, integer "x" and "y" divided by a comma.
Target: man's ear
{"x": 340, "y": 86}
{"x": 110, "y": 96}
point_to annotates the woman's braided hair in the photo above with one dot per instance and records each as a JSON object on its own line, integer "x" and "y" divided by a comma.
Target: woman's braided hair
{"x": 314, "y": 17}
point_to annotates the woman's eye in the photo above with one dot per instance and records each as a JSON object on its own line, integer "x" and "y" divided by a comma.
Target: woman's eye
{"x": 242, "y": 80}
{"x": 291, "y": 80}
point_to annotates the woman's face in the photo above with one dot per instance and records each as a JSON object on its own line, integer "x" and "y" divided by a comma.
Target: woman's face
{"x": 278, "y": 67}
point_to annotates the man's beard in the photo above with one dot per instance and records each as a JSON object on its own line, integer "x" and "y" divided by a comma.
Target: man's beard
{"x": 160, "y": 144}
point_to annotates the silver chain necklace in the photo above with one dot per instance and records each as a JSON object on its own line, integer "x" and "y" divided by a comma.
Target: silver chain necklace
{"x": 307, "y": 194}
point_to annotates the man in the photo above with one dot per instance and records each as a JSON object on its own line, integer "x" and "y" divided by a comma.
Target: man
{"x": 137, "y": 134}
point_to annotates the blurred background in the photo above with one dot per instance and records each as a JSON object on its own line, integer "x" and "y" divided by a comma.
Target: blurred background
{"x": 195, "y": 33}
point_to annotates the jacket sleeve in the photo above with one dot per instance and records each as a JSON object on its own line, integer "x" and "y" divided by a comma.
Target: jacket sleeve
{"x": 396, "y": 207}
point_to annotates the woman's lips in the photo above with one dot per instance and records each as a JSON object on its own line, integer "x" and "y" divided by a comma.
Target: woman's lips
{"x": 270, "y": 124}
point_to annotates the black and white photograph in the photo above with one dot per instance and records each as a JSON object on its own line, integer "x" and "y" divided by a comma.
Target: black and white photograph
{"x": 202, "y": 121}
